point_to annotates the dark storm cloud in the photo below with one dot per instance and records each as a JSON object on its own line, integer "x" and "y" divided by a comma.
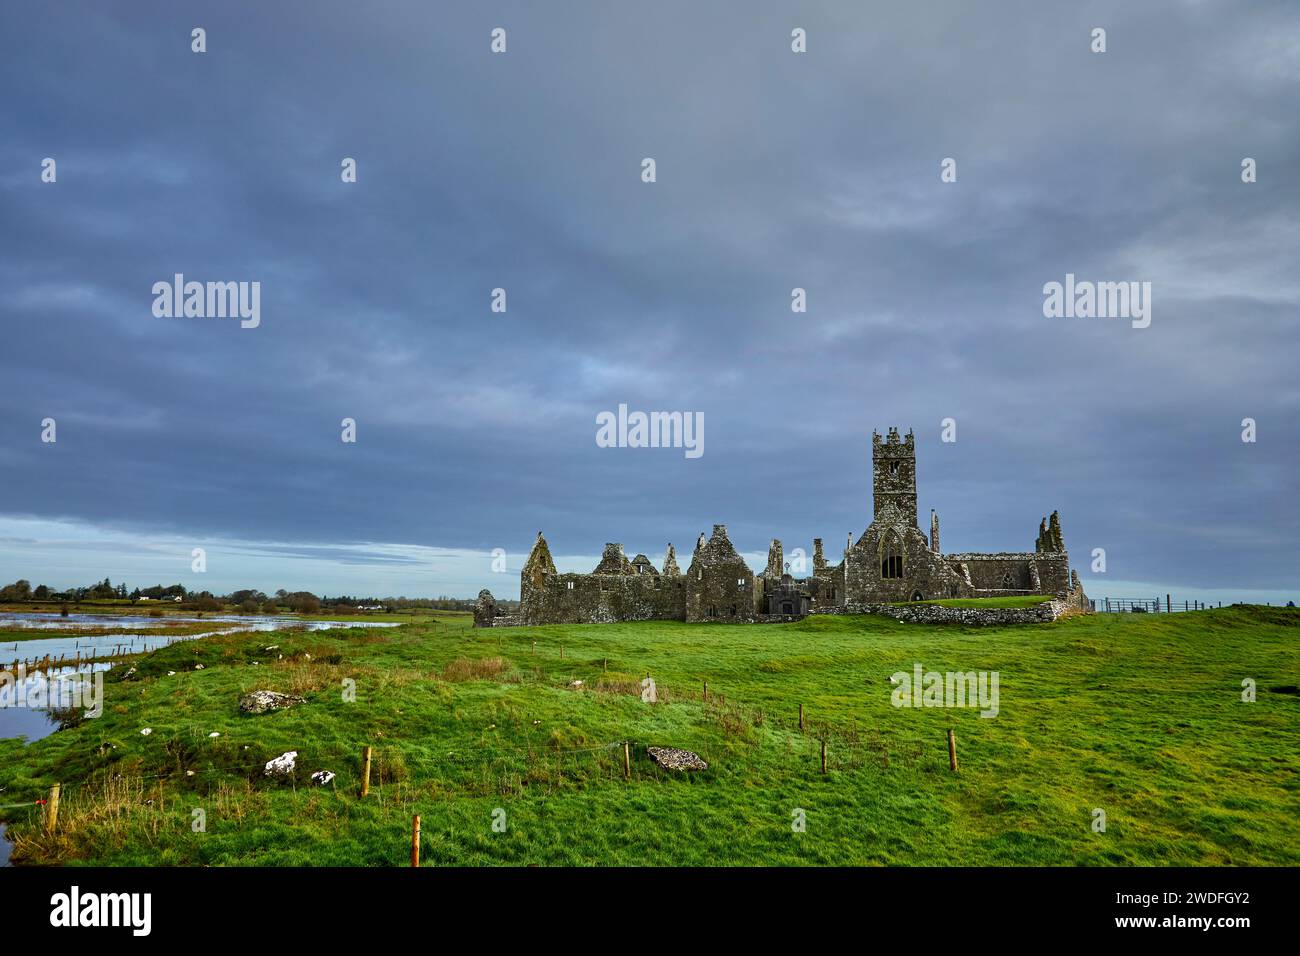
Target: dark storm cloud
{"x": 775, "y": 171}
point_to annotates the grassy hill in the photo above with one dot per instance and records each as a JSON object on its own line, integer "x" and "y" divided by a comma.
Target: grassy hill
{"x": 1137, "y": 715}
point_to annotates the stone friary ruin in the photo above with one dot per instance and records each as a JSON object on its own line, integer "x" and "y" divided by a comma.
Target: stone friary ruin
{"x": 893, "y": 561}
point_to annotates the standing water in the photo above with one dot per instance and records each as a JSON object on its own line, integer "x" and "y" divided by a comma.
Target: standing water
{"x": 139, "y": 635}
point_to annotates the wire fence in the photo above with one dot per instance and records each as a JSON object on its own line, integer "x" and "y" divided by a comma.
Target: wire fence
{"x": 199, "y": 758}
{"x": 1155, "y": 605}
{"x": 202, "y": 762}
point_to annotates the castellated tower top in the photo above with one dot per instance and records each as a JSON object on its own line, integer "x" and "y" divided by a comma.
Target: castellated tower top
{"x": 892, "y": 437}
{"x": 893, "y": 474}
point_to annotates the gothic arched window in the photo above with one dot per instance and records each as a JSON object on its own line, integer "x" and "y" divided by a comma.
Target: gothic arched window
{"x": 891, "y": 562}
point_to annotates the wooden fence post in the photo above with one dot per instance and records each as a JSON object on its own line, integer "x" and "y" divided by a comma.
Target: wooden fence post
{"x": 365, "y": 771}
{"x": 627, "y": 760}
{"x": 1169, "y": 608}
{"x": 823, "y": 756}
{"x": 706, "y": 690}
{"x": 52, "y": 808}
{"x": 952, "y": 749}
{"x": 801, "y": 716}
{"x": 415, "y": 840}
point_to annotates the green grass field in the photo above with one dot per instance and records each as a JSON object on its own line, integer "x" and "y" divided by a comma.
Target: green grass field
{"x": 1140, "y": 716}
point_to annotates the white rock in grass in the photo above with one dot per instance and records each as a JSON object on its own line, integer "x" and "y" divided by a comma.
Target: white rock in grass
{"x": 282, "y": 765}
{"x": 262, "y": 701}
{"x": 147, "y": 731}
{"x": 215, "y": 733}
{"x": 322, "y": 778}
{"x": 671, "y": 758}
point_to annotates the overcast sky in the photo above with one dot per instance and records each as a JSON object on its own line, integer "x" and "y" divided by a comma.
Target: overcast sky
{"x": 522, "y": 171}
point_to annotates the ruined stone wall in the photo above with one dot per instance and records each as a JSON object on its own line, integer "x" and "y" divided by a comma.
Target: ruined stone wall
{"x": 618, "y": 590}
{"x": 893, "y": 561}
{"x": 1011, "y": 572}
{"x": 606, "y": 598}
{"x": 722, "y": 594}
{"x": 924, "y": 572}
{"x": 827, "y": 587}
{"x": 719, "y": 584}
{"x": 1075, "y": 597}
{"x": 978, "y": 616}
{"x": 1053, "y": 572}
{"x": 485, "y": 609}
{"x": 537, "y": 570}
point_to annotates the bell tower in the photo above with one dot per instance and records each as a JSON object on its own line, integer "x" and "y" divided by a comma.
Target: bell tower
{"x": 893, "y": 473}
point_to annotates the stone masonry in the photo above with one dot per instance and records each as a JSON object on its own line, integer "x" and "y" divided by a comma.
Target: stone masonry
{"x": 891, "y": 562}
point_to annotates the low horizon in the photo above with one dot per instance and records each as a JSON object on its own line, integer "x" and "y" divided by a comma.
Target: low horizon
{"x": 465, "y": 572}
{"x": 466, "y": 271}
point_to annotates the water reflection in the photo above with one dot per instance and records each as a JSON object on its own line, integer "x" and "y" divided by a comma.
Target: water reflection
{"x": 148, "y": 634}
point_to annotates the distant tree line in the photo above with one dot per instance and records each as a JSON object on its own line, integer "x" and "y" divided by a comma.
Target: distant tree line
{"x": 248, "y": 600}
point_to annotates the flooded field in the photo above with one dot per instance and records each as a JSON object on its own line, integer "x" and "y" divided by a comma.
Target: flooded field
{"x": 138, "y": 635}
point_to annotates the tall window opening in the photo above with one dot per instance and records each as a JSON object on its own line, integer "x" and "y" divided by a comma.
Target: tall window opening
{"x": 891, "y": 564}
